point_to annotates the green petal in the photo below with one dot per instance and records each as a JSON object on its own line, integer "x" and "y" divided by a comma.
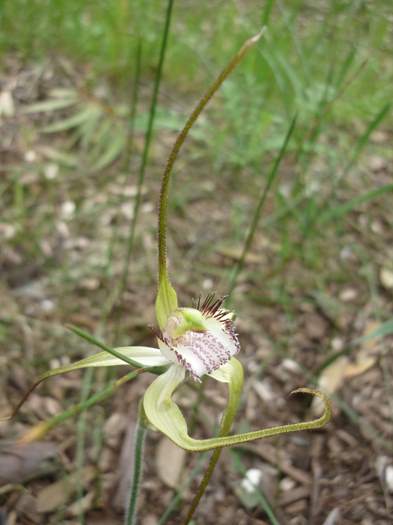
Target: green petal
{"x": 166, "y": 416}
{"x": 224, "y": 373}
{"x": 137, "y": 356}
{"x": 166, "y": 302}
{"x": 142, "y": 355}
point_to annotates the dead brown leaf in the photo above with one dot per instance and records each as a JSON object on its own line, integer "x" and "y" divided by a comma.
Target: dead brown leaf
{"x": 170, "y": 461}
{"x": 19, "y": 463}
{"x": 57, "y": 494}
{"x": 334, "y": 375}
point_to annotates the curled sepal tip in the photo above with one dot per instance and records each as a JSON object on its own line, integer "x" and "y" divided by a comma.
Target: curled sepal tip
{"x": 327, "y": 410}
{"x": 165, "y": 415}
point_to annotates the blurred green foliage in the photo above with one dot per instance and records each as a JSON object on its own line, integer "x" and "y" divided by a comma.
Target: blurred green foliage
{"x": 327, "y": 60}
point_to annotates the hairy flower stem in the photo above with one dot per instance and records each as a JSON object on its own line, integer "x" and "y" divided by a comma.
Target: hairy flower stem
{"x": 226, "y": 424}
{"x": 148, "y": 137}
{"x": 164, "y": 195}
{"x": 140, "y": 435}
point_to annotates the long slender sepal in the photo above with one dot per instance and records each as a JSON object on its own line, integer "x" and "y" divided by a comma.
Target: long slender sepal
{"x": 166, "y": 416}
{"x": 148, "y": 134}
{"x": 166, "y": 300}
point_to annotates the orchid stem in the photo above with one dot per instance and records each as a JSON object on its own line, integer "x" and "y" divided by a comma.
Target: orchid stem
{"x": 164, "y": 195}
{"x": 140, "y": 435}
{"x": 226, "y": 425}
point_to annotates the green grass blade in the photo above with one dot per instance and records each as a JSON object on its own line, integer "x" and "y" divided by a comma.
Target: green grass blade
{"x": 339, "y": 211}
{"x": 365, "y": 137}
{"x": 255, "y": 220}
{"x": 40, "y": 430}
{"x": 382, "y": 331}
{"x": 134, "y": 104}
{"x": 267, "y": 11}
{"x": 96, "y": 342}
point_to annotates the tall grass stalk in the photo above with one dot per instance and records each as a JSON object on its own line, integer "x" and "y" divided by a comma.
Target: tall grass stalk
{"x": 258, "y": 210}
{"x": 137, "y": 468}
{"x": 81, "y": 438}
{"x": 364, "y": 139}
{"x": 225, "y": 428}
{"x": 133, "y": 104}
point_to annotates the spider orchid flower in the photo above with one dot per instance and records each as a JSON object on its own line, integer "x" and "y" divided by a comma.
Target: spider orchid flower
{"x": 191, "y": 342}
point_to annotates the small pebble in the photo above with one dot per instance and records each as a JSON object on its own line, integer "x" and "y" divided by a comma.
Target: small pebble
{"x": 348, "y": 295}
{"x": 386, "y": 277}
{"x": 68, "y": 209}
{"x": 251, "y": 479}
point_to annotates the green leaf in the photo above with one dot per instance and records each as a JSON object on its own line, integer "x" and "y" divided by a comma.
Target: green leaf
{"x": 383, "y": 330}
{"x": 166, "y": 302}
{"x": 165, "y": 415}
{"x": 71, "y": 122}
{"x": 49, "y": 105}
{"x": 110, "y": 153}
{"x": 341, "y": 210}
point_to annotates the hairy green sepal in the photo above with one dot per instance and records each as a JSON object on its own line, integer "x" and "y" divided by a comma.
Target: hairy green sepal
{"x": 166, "y": 302}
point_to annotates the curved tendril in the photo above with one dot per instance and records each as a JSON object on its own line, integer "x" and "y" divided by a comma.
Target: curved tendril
{"x": 163, "y": 202}
{"x": 273, "y": 431}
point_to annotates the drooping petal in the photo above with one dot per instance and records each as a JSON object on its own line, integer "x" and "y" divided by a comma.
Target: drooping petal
{"x": 166, "y": 416}
{"x": 222, "y": 374}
